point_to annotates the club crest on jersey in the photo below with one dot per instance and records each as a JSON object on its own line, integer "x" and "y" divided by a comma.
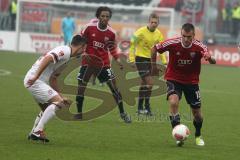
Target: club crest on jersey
{"x": 178, "y": 53}
{"x": 61, "y": 53}
{"x": 192, "y": 54}
{"x": 50, "y": 92}
{"x": 106, "y": 39}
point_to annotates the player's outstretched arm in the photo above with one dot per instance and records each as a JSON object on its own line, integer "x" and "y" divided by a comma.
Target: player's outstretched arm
{"x": 207, "y": 56}
{"x": 131, "y": 55}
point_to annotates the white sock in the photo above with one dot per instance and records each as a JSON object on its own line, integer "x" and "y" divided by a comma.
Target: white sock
{"x": 39, "y": 116}
{"x": 48, "y": 114}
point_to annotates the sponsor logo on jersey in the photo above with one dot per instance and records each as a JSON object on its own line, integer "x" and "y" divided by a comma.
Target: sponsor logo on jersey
{"x": 184, "y": 61}
{"x": 98, "y": 44}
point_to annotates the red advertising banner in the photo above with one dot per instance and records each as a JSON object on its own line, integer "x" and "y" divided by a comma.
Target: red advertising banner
{"x": 225, "y": 55}
{"x": 36, "y": 13}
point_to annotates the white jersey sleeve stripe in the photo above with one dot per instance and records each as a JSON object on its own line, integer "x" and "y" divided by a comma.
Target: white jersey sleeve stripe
{"x": 204, "y": 47}
{"x": 54, "y": 56}
{"x": 166, "y": 43}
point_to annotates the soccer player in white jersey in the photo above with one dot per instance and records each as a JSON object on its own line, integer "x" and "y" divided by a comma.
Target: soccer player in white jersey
{"x": 41, "y": 82}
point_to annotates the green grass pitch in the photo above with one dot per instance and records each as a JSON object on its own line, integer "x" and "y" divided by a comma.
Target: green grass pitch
{"x": 107, "y": 138}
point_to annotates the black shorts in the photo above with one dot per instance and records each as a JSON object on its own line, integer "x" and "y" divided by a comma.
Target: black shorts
{"x": 103, "y": 74}
{"x": 191, "y": 92}
{"x": 143, "y": 66}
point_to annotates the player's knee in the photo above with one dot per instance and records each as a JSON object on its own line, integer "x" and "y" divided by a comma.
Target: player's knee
{"x": 173, "y": 100}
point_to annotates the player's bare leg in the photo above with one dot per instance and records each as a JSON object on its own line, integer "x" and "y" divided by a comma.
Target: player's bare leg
{"x": 197, "y": 122}
{"x": 118, "y": 98}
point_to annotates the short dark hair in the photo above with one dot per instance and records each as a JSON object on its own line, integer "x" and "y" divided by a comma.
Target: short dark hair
{"x": 103, "y": 8}
{"x": 78, "y": 40}
{"x": 153, "y": 15}
{"x": 188, "y": 27}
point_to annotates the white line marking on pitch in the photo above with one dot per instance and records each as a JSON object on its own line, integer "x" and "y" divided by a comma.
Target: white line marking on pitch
{"x": 4, "y": 72}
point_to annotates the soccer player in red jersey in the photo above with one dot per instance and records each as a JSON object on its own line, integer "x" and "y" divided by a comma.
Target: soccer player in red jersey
{"x": 182, "y": 75}
{"x": 101, "y": 41}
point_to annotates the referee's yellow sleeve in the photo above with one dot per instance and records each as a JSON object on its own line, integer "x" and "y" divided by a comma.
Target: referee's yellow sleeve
{"x": 163, "y": 59}
{"x": 131, "y": 55}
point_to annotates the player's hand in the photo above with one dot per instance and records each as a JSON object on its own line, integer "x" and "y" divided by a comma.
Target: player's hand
{"x": 119, "y": 63}
{"x": 67, "y": 101}
{"x": 206, "y": 55}
{"x": 31, "y": 81}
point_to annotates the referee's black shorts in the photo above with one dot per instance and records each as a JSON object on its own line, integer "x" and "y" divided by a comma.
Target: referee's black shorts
{"x": 143, "y": 66}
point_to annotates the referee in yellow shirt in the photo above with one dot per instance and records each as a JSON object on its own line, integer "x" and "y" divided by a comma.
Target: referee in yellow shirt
{"x": 140, "y": 53}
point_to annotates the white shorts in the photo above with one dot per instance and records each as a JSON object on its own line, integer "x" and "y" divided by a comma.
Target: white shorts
{"x": 41, "y": 91}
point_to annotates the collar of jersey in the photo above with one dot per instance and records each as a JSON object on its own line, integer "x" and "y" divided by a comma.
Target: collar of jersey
{"x": 188, "y": 46}
{"x": 100, "y": 28}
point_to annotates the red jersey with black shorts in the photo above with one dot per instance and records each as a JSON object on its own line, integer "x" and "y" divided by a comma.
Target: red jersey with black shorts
{"x": 183, "y": 69}
{"x": 184, "y": 64}
{"x": 100, "y": 44}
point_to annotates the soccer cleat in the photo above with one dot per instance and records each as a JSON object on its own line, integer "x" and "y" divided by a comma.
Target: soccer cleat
{"x": 179, "y": 143}
{"x": 125, "y": 118}
{"x": 78, "y": 116}
{"x": 199, "y": 141}
{"x": 140, "y": 111}
{"x": 148, "y": 112}
{"x": 39, "y": 135}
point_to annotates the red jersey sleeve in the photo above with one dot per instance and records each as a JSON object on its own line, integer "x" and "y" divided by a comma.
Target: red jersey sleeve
{"x": 112, "y": 47}
{"x": 203, "y": 49}
{"x": 167, "y": 45}
{"x": 84, "y": 31}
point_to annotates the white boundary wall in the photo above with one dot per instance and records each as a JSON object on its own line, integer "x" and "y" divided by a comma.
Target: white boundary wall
{"x": 29, "y": 42}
